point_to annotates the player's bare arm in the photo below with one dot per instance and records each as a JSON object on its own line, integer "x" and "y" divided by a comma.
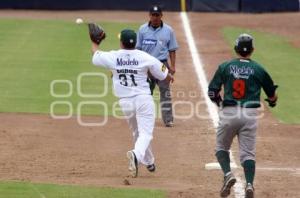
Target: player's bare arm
{"x": 170, "y": 78}
{"x": 172, "y": 55}
{"x": 95, "y": 47}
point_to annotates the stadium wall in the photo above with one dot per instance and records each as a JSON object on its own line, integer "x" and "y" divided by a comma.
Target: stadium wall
{"x": 169, "y": 5}
{"x": 269, "y": 5}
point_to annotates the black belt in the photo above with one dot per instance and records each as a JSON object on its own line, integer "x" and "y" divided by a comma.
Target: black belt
{"x": 235, "y": 105}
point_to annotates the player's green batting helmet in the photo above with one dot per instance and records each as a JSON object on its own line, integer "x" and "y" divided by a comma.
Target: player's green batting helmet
{"x": 244, "y": 44}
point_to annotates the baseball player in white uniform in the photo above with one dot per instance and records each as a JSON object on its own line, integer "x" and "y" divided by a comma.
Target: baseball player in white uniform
{"x": 130, "y": 68}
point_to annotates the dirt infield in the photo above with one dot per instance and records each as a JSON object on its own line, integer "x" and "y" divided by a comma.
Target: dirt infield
{"x": 39, "y": 149}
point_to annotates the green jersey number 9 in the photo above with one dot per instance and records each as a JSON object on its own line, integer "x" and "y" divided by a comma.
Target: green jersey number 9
{"x": 239, "y": 89}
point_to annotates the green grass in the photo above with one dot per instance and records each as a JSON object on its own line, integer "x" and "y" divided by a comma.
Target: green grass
{"x": 281, "y": 60}
{"x": 36, "y": 52}
{"x": 29, "y": 190}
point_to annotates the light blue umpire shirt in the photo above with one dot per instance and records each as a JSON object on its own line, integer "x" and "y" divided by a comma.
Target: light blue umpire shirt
{"x": 156, "y": 42}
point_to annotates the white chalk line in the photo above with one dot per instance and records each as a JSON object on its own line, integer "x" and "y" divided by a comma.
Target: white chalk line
{"x": 37, "y": 191}
{"x": 202, "y": 80}
{"x": 285, "y": 169}
{"x": 216, "y": 166}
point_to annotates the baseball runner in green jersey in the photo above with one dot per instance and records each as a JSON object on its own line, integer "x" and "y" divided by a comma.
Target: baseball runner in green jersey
{"x": 242, "y": 79}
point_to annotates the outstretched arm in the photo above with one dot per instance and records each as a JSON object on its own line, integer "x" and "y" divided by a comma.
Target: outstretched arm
{"x": 97, "y": 34}
{"x": 95, "y": 47}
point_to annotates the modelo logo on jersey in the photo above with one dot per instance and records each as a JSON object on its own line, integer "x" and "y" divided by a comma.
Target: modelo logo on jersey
{"x": 122, "y": 62}
{"x": 149, "y": 42}
{"x": 241, "y": 72}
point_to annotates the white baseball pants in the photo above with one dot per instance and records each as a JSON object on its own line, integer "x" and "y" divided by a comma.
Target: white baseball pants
{"x": 140, "y": 115}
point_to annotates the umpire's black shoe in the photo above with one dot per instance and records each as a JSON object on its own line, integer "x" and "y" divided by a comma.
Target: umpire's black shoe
{"x": 229, "y": 181}
{"x": 133, "y": 164}
{"x": 151, "y": 168}
{"x": 249, "y": 191}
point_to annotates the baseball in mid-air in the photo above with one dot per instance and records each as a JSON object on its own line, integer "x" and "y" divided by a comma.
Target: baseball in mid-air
{"x": 79, "y": 20}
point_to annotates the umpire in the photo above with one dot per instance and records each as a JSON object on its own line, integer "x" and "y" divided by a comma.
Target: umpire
{"x": 242, "y": 79}
{"x": 158, "y": 39}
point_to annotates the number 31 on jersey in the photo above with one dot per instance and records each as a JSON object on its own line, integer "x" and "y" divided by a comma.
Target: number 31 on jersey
{"x": 124, "y": 81}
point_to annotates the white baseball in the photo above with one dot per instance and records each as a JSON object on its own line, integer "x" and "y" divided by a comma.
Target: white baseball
{"x": 79, "y": 20}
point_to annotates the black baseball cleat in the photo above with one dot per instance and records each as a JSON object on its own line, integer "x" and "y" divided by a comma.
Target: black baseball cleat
{"x": 133, "y": 164}
{"x": 151, "y": 168}
{"x": 169, "y": 124}
{"x": 249, "y": 191}
{"x": 229, "y": 181}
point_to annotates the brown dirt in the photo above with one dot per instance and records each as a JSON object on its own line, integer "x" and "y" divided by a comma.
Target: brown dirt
{"x": 39, "y": 149}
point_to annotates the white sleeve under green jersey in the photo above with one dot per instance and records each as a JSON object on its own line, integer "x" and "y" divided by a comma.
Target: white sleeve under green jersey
{"x": 130, "y": 70}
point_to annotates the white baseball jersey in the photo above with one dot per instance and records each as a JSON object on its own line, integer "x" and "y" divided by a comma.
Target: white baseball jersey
{"x": 130, "y": 70}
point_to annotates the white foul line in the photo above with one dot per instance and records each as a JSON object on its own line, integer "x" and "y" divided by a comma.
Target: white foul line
{"x": 216, "y": 166}
{"x": 37, "y": 191}
{"x": 287, "y": 169}
{"x": 212, "y": 110}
